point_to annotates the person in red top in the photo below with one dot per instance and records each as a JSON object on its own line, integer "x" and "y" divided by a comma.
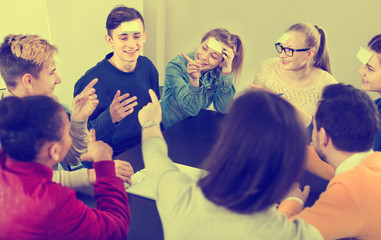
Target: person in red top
{"x": 34, "y": 134}
{"x": 345, "y": 126}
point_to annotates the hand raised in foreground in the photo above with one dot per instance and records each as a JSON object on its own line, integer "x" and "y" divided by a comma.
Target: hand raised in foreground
{"x": 97, "y": 150}
{"x": 152, "y": 111}
{"x": 84, "y": 104}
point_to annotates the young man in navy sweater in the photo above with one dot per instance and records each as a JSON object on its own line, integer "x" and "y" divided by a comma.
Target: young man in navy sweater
{"x": 124, "y": 78}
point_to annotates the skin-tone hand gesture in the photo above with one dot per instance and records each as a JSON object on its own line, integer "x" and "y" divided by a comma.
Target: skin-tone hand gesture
{"x": 152, "y": 111}
{"x": 85, "y": 103}
{"x": 193, "y": 69}
{"x": 124, "y": 170}
{"x": 226, "y": 64}
{"x": 97, "y": 150}
{"x": 122, "y": 106}
{"x": 296, "y": 191}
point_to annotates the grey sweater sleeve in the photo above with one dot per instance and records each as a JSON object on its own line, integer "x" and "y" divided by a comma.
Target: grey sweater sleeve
{"x": 80, "y": 140}
{"x": 74, "y": 179}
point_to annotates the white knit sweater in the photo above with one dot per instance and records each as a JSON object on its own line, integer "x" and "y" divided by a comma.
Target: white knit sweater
{"x": 305, "y": 98}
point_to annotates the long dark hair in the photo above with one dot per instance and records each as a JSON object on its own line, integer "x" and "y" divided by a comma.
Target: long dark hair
{"x": 259, "y": 154}
{"x": 26, "y": 124}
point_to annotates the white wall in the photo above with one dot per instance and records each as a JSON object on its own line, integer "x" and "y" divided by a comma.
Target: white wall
{"x": 349, "y": 24}
{"x": 16, "y": 17}
{"x": 173, "y": 26}
{"x": 76, "y": 27}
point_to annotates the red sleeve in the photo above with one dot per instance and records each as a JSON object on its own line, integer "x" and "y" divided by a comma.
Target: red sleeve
{"x": 111, "y": 219}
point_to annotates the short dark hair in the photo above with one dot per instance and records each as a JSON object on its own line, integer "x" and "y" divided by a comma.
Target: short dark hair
{"x": 349, "y": 117}
{"x": 375, "y": 43}
{"x": 26, "y": 124}
{"x": 259, "y": 154}
{"x": 21, "y": 54}
{"x": 121, "y": 14}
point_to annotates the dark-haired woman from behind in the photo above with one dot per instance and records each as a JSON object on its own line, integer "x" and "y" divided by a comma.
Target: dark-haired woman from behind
{"x": 34, "y": 135}
{"x": 259, "y": 154}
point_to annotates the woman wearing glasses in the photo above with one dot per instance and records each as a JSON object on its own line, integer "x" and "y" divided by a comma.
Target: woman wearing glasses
{"x": 303, "y": 68}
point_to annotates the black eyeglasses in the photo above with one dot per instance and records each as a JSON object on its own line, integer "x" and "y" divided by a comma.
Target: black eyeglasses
{"x": 288, "y": 51}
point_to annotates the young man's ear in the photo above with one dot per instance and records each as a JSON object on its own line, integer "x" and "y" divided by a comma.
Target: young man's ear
{"x": 27, "y": 80}
{"x": 145, "y": 36}
{"x": 323, "y": 137}
{"x": 109, "y": 40}
{"x": 311, "y": 53}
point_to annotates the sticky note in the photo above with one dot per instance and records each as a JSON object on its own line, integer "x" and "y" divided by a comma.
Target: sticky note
{"x": 283, "y": 38}
{"x": 57, "y": 59}
{"x": 144, "y": 187}
{"x": 130, "y": 27}
{"x": 364, "y": 55}
{"x": 215, "y": 45}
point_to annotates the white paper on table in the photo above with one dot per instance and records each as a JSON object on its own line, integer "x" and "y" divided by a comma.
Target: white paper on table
{"x": 143, "y": 187}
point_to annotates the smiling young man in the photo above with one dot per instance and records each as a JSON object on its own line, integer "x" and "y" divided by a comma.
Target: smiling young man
{"x": 28, "y": 69}
{"x": 124, "y": 80}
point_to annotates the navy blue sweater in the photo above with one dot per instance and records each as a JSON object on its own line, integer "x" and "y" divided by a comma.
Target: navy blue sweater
{"x": 377, "y": 144}
{"x": 125, "y": 134}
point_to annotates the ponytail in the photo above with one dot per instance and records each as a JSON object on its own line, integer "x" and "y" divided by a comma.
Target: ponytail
{"x": 322, "y": 59}
{"x": 238, "y": 57}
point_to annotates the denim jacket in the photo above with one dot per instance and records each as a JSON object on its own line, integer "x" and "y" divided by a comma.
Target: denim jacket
{"x": 180, "y": 99}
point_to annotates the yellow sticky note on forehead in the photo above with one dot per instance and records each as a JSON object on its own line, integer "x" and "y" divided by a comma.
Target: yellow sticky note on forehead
{"x": 364, "y": 55}
{"x": 57, "y": 59}
{"x": 283, "y": 38}
{"x": 130, "y": 27}
{"x": 215, "y": 45}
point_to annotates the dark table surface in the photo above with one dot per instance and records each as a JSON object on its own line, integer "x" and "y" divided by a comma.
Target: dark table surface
{"x": 189, "y": 143}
